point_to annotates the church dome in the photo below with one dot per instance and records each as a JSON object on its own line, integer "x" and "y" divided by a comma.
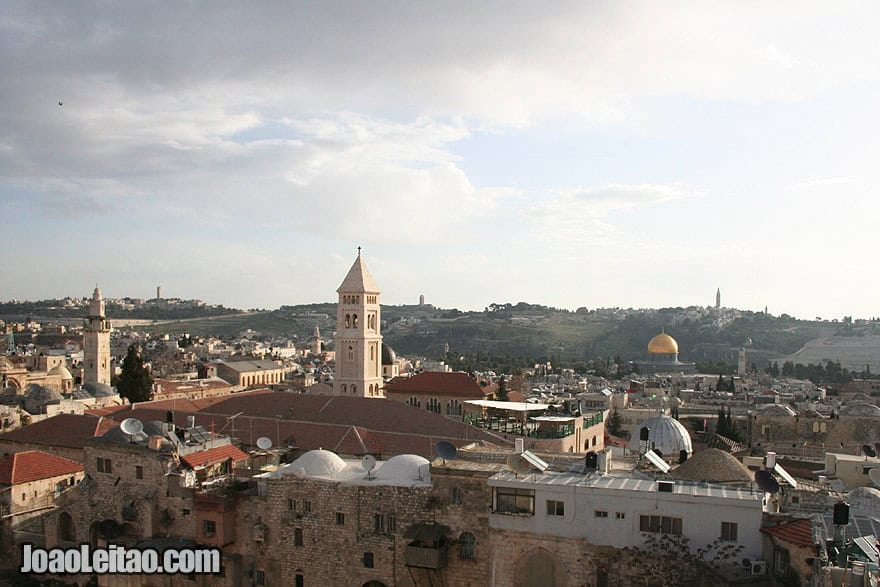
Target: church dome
{"x": 665, "y": 434}
{"x": 99, "y": 389}
{"x": 714, "y": 466}
{"x": 860, "y": 410}
{"x": 42, "y": 395}
{"x": 389, "y": 357}
{"x": 405, "y": 468}
{"x": 317, "y": 463}
{"x": 663, "y": 344}
{"x": 61, "y": 371}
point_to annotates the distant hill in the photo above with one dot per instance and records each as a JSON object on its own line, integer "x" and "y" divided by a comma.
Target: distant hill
{"x": 531, "y": 330}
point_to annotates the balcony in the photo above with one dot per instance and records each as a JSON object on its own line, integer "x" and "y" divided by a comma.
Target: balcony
{"x": 426, "y": 557}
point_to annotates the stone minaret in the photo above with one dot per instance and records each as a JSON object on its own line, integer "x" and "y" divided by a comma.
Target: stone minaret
{"x": 718, "y": 299}
{"x": 316, "y": 341}
{"x": 358, "y": 337}
{"x": 96, "y": 342}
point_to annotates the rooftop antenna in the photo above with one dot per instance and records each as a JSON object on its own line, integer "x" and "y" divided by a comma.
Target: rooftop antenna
{"x": 131, "y": 427}
{"x": 369, "y": 463}
{"x": 445, "y": 450}
{"x": 264, "y": 443}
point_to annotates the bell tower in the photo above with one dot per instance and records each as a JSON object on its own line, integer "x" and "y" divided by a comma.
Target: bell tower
{"x": 96, "y": 342}
{"x": 358, "y": 336}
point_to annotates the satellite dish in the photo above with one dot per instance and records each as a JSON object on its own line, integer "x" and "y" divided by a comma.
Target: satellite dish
{"x": 766, "y": 481}
{"x": 368, "y": 463}
{"x": 518, "y": 464}
{"x": 868, "y": 450}
{"x": 264, "y": 443}
{"x": 445, "y": 450}
{"x": 132, "y": 426}
{"x": 874, "y": 476}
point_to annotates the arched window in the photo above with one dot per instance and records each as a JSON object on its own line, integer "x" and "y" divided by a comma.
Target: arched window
{"x": 456, "y": 495}
{"x": 372, "y": 353}
{"x": 66, "y": 529}
{"x": 348, "y": 321}
{"x": 354, "y": 320}
{"x": 354, "y": 389}
{"x": 344, "y": 388}
{"x": 467, "y": 546}
{"x": 350, "y": 353}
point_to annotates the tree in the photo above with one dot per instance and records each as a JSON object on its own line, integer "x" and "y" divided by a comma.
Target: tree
{"x": 502, "y": 389}
{"x": 615, "y": 423}
{"x": 134, "y": 383}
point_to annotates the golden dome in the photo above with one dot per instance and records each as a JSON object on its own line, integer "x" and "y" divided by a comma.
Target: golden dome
{"x": 663, "y": 344}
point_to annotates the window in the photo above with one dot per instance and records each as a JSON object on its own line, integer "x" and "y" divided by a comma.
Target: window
{"x": 260, "y": 577}
{"x": 600, "y": 514}
{"x": 185, "y": 511}
{"x": 307, "y": 505}
{"x": 380, "y": 523}
{"x": 514, "y": 501}
{"x": 467, "y": 546}
{"x": 348, "y": 321}
{"x": 368, "y": 560}
{"x": 340, "y": 519}
{"x": 555, "y": 508}
{"x": 391, "y": 523}
{"x": 354, "y": 389}
{"x": 728, "y": 531}
{"x": 456, "y": 495}
{"x": 660, "y": 524}
{"x": 297, "y": 536}
{"x": 299, "y": 580}
{"x": 354, "y": 320}
{"x": 104, "y": 465}
{"x": 209, "y": 527}
{"x": 138, "y": 472}
{"x": 385, "y": 523}
{"x": 291, "y": 504}
{"x": 619, "y": 515}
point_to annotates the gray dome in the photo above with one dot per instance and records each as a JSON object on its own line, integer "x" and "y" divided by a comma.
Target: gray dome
{"x": 41, "y": 394}
{"x": 865, "y": 500}
{"x": 715, "y": 466}
{"x": 389, "y": 357}
{"x": 117, "y": 435}
{"x": 776, "y": 410}
{"x": 860, "y": 410}
{"x": 154, "y": 428}
{"x": 861, "y": 398}
{"x": 99, "y": 389}
{"x": 80, "y": 394}
{"x": 665, "y": 433}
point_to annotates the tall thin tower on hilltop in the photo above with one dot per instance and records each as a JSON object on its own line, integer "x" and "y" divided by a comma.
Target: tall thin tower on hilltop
{"x": 718, "y": 299}
{"x": 358, "y": 336}
{"x": 96, "y": 342}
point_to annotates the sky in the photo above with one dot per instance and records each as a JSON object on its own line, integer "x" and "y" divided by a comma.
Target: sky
{"x": 597, "y": 154}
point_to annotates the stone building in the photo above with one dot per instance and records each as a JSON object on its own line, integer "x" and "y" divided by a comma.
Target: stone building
{"x": 441, "y": 393}
{"x": 245, "y": 373}
{"x": 358, "y": 335}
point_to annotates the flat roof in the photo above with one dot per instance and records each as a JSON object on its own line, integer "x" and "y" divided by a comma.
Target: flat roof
{"x": 627, "y": 483}
{"x": 508, "y": 406}
{"x": 553, "y": 418}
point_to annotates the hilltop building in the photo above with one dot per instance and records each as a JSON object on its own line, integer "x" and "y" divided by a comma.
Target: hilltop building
{"x": 663, "y": 357}
{"x": 96, "y": 342}
{"x": 358, "y": 335}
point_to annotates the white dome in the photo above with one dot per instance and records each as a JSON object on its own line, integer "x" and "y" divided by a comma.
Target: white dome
{"x": 865, "y": 500}
{"x": 317, "y": 463}
{"x": 665, "y": 434}
{"x": 61, "y": 371}
{"x": 405, "y": 468}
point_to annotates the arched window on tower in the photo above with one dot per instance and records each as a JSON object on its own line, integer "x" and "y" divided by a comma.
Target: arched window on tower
{"x": 354, "y": 389}
{"x": 372, "y": 353}
{"x": 354, "y": 320}
{"x": 350, "y": 353}
{"x": 344, "y": 388}
{"x": 348, "y": 321}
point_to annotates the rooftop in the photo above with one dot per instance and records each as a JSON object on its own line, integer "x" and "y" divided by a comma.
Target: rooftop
{"x": 438, "y": 383}
{"x": 33, "y": 465}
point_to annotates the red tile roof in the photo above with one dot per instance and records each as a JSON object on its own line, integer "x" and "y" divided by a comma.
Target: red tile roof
{"x": 32, "y": 465}
{"x": 456, "y": 384}
{"x": 799, "y": 532}
{"x": 212, "y": 456}
{"x": 67, "y": 430}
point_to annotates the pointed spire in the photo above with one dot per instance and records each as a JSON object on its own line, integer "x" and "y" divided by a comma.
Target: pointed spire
{"x": 359, "y": 279}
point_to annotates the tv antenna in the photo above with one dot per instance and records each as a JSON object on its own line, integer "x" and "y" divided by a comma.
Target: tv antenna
{"x": 368, "y": 463}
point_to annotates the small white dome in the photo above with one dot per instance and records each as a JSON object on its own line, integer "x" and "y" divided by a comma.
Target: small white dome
{"x": 405, "y": 468}
{"x": 317, "y": 463}
{"x": 665, "y": 433}
{"x": 61, "y": 371}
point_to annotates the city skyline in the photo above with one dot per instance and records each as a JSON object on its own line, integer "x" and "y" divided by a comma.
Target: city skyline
{"x": 601, "y": 156}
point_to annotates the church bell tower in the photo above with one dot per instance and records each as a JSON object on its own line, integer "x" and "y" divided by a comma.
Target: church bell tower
{"x": 358, "y": 336}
